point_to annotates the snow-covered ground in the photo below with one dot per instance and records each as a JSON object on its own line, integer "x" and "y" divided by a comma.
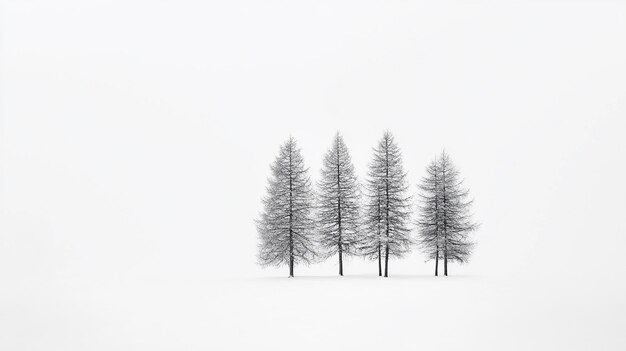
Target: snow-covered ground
{"x": 135, "y": 144}
{"x": 403, "y": 312}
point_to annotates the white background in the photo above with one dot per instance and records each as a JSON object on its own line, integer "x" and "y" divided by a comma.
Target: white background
{"x": 136, "y": 138}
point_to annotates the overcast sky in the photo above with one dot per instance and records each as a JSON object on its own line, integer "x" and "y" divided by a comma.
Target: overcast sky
{"x": 137, "y": 135}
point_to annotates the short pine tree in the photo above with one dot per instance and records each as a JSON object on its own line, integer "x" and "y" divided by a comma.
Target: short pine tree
{"x": 445, "y": 220}
{"x": 286, "y": 226}
{"x": 388, "y": 208}
{"x": 338, "y": 205}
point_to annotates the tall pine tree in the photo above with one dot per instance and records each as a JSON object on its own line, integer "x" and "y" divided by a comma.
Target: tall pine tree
{"x": 445, "y": 220}
{"x": 338, "y": 208}
{"x": 286, "y": 226}
{"x": 429, "y": 221}
{"x": 388, "y": 208}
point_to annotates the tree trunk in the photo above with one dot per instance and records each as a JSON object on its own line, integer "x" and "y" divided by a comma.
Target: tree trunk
{"x": 290, "y": 215}
{"x": 380, "y": 267}
{"x": 437, "y": 264}
{"x": 340, "y": 261}
{"x": 445, "y": 262}
{"x": 445, "y": 223}
{"x": 339, "y": 211}
{"x": 386, "y": 258}
{"x": 387, "y": 208}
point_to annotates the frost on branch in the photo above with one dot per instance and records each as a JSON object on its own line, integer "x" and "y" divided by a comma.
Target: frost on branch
{"x": 338, "y": 203}
{"x": 445, "y": 221}
{"x": 387, "y": 210}
{"x": 286, "y": 225}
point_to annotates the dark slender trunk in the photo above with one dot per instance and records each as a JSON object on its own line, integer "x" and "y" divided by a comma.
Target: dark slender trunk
{"x": 387, "y": 208}
{"x": 380, "y": 266}
{"x": 437, "y": 263}
{"x": 340, "y": 261}
{"x": 386, "y": 259}
{"x": 339, "y": 210}
{"x": 340, "y": 249}
{"x": 445, "y": 262}
{"x": 290, "y": 216}
{"x": 437, "y": 235}
{"x": 445, "y": 224}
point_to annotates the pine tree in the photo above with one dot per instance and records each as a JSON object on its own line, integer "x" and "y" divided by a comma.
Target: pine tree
{"x": 286, "y": 224}
{"x": 429, "y": 221}
{"x": 388, "y": 207}
{"x": 445, "y": 220}
{"x": 338, "y": 210}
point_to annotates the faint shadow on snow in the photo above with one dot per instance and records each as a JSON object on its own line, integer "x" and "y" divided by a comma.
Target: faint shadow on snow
{"x": 362, "y": 277}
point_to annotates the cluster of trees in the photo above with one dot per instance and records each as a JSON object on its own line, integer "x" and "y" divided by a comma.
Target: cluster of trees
{"x": 374, "y": 220}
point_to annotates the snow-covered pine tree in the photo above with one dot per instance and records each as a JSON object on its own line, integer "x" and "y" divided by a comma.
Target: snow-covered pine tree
{"x": 455, "y": 214}
{"x": 445, "y": 220}
{"x": 286, "y": 226}
{"x": 338, "y": 206}
{"x": 428, "y": 220}
{"x": 388, "y": 208}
